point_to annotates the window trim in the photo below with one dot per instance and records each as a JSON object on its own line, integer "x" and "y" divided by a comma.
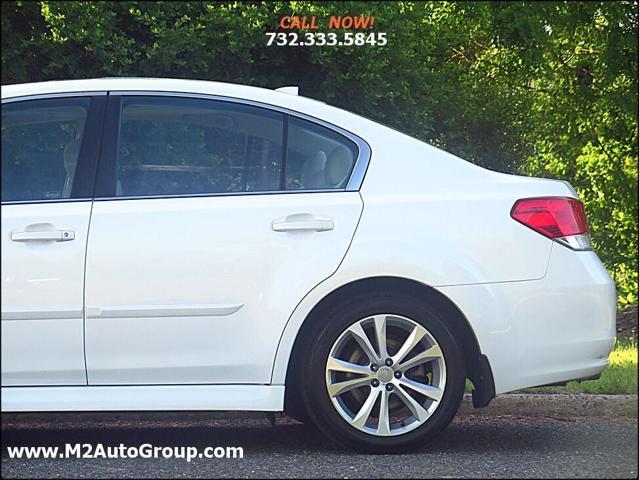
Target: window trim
{"x": 111, "y": 126}
{"x": 86, "y": 167}
{"x": 45, "y": 96}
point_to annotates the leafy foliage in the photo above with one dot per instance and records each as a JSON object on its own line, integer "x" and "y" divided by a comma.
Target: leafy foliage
{"x": 539, "y": 88}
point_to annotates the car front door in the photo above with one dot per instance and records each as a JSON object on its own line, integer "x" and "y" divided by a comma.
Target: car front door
{"x": 213, "y": 218}
{"x": 49, "y": 153}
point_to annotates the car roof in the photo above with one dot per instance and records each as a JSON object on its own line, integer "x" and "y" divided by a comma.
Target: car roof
{"x": 115, "y": 84}
{"x": 122, "y": 83}
{"x": 315, "y": 108}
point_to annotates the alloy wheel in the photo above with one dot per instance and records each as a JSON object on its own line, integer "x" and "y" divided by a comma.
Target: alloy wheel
{"x": 386, "y": 375}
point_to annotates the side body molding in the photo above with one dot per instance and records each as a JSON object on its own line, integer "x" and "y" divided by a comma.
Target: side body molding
{"x": 132, "y": 311}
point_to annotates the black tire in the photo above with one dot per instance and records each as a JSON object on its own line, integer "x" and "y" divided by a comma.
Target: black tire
{"x": 335, "y": 320}
{"x": 298, "y": 412}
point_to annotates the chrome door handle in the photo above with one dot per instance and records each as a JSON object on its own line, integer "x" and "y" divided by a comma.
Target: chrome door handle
{"x": 301, "y": 225}
{"x": 49, "y": 235}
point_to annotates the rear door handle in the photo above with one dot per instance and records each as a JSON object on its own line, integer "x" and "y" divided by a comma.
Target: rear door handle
{"x": 50, "y": 235}
{"x": 301, "y": 225}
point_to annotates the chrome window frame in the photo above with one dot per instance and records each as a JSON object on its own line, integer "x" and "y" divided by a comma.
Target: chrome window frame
{"x": 44, "y": 96}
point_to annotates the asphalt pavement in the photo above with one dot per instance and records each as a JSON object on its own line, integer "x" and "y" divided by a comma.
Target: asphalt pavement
{"x": 472, "y": 446}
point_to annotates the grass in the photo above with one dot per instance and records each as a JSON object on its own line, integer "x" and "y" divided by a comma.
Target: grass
{"x": 620, "y": 377}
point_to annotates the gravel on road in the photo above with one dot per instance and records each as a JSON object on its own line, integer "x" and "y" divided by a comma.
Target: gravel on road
{"x": 472, "y": 446}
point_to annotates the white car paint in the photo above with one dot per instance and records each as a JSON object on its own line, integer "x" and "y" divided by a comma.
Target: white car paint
{"x": 161, "y": 275}
{"x": 266, "y": 398}
{"x": 545, "y": 331}
{"x": 42, "y": 296}
{"x": 229, "y": 254}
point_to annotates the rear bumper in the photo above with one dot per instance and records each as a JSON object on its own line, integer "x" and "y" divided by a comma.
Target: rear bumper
{"x": 558, "y": 328}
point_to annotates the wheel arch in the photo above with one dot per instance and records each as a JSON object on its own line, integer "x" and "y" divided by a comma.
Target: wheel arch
{"x": 477, "y": 366}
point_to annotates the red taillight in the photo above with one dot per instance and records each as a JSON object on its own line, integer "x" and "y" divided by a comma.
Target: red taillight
{"x": 559, "y": 218}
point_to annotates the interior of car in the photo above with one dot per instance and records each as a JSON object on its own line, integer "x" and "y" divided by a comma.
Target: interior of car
{"x": 174, "y": 148}
{"x": 189, "y": 149}
{"x": 40, "y": 148}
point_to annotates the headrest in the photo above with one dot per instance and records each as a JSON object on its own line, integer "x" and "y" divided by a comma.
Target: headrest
{"x": 338, "y": 166}
{"x": 312, "y": 167}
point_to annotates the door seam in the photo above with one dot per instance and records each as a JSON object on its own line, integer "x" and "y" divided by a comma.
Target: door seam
{"x": 84, "y": 297}
{"x": 350, "y": 243}
{"x": 86, "y": 245}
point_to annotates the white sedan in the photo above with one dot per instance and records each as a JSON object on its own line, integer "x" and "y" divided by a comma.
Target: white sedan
{"x": 189, "y": 245}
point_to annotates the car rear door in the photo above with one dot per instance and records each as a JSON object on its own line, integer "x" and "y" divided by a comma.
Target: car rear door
{"x": 213, "y": 218}
{"x": 49, "y": 155}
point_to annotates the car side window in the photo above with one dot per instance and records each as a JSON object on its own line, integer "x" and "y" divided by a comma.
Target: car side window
{"x": 40, "y": 147}
{"x": 178, "y": 146}
{"x": 317, "y": 157}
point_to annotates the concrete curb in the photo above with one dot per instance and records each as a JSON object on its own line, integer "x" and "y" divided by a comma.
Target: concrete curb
{"x": 568, "y": 405}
